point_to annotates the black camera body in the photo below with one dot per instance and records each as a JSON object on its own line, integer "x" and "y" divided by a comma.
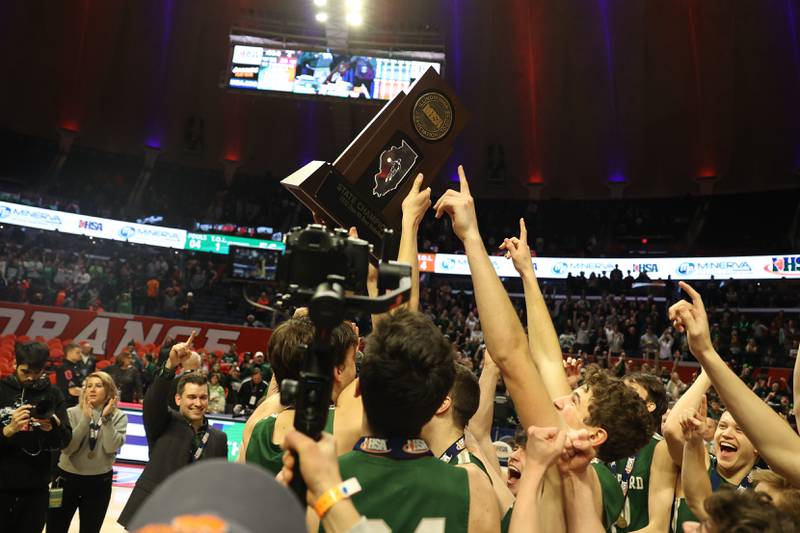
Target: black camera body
{"x": 327, "y": 271}
{"x": 42, "y": 409}
{"x": 314, "y": 253}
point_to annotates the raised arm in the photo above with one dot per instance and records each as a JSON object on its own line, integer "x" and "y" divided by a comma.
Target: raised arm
{"x": 774, "y": 439}
{"x": 695, "y": 481}
{"x": 673, "y": 434}
{"x": 155, "y": 411}
{"x": 543, "y": 447}
{"x": 415, "y": 204}
{"x": 542, "y": 338}
{"x": 502, "y": 330}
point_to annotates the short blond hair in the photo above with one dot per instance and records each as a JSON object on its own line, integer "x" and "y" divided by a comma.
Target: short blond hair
{"x": 108, "y": 384}
{"x": 788, "y": 499}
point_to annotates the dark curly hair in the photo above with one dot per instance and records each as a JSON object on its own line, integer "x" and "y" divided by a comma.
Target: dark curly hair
{"x": 620, "y": 411}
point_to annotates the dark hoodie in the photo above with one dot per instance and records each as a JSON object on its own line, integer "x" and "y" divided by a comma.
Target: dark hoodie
{"x": 25, "y": 457}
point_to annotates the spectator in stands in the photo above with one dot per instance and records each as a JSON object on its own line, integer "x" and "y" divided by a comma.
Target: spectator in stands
{"x": 87, "y": 357}
{"x": 127, "y": 378}
{"x": 251, "y": 322}
{"x": 252, "y": 391}
{"x": 232, "y": 382}
{"x": 675, "y": 387}
{"x": 665, "y": 343}
{"x": 84, "y": 468}
{"x": 216, "y": 394}
{"x": 153, "y": 287}
{"x": 187, "y": 306}
{"x": 70, "y": 375}
{"x": 266, "y": 369}
{"x": 649, "y": 344}
{"x": 28, "y": 435}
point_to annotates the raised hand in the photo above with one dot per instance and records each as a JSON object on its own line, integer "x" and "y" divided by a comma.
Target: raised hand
{"x": 86, "y": 407}
{"x": 318, "y": 463}
{"x": 181, "y": 352}
{"x": 577, "y": 454}
{"x": 692, "y": 318}
{"x": 111, "y": 404}
{"x": 461, "y": 208}
{"x": 416, "y": 202}
{"x": 544, "y": 445}
{"x": 518, "y": 250}
{"x": 693, "y": 421}
{"x": 572, "y": 367}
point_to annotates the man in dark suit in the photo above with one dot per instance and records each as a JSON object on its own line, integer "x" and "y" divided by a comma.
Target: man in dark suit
{"x": 175, "y": 439}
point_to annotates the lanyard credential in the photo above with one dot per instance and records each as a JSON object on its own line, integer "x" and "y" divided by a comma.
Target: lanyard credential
{"x": 454, "y": 450}
{"x": 716, "y": 480}
{"x": 201, "y": 446}
{"x": 397, "y": 448}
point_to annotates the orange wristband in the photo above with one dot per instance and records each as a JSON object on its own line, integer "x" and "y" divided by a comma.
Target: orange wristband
{"x": 330, "y": 497}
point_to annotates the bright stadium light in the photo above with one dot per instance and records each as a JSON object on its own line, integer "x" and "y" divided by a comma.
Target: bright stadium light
{"x": 320, "y": 3}
{"x": 355, "y": 19}
{"x": 322, "y": 17}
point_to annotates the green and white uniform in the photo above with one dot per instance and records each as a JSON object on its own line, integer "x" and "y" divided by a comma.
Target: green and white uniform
{"x": 458, "y": 454}
{"x": 613, "y": 500}
{"x": 633, "y": 475}
{"x": 263, "y": 452}
{"x": 406, "y": 487}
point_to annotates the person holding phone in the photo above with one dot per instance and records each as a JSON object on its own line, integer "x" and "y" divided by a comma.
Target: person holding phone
{"x": 84, "y": 468}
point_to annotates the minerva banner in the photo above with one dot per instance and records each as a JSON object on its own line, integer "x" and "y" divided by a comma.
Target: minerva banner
{"x": 109, "y": 333}
{"x": 775, "y": 266}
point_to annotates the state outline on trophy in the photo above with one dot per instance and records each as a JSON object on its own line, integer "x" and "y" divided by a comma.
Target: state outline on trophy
{"x": 365, "y": 187}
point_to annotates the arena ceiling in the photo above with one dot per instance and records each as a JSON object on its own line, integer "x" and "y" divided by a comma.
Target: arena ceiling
{"x": 584, "y": 95}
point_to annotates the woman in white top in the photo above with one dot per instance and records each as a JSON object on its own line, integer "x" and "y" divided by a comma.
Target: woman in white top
{"x": 84, "y": 469}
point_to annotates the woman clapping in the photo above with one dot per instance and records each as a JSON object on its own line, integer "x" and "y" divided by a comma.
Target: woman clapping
{"x": 84, "y": 469}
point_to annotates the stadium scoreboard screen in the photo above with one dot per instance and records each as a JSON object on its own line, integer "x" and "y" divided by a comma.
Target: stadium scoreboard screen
{"x": 267, "y": 65}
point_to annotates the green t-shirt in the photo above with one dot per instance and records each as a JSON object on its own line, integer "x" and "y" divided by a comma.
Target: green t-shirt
{"x": 263, "y": 452}
{"x": 403, "y": 493}
{"x": 635, "y": 509}
{"x": 613, "y": 501}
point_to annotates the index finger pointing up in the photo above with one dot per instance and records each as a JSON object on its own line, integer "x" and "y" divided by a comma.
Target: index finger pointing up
{"x": 417, "y": 183}
{"x": 462, "y": 177}
{"x": 191, "y": 339}
{"x": 523, "y": 231}
{"x": 693, "y": 294}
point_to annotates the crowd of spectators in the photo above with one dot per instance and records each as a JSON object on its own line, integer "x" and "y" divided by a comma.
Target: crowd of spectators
{"x": 42, "y": 268}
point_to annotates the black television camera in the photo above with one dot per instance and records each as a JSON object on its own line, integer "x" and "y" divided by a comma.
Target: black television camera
{"x": 327, "y": 271}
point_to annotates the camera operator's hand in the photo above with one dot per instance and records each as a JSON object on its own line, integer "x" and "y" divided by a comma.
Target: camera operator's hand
{"x": 518, "y": 250}
{"x": 318, "y": 463}
{"x": 46, "y": 424}
{"x": 20, "y": 417}
{"x": 180, "y": 352}
{"x": 416, "y": 203}
{"x": 461, "y": 208}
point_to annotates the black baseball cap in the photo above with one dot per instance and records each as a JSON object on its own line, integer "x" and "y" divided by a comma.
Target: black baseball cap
{"x": 237, "y": 498}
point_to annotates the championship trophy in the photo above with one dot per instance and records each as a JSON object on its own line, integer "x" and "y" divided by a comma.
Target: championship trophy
{"x": 367, "y": 183}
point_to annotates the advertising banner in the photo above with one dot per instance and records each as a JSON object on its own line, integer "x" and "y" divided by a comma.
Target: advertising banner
{"x": 109, "y": 333}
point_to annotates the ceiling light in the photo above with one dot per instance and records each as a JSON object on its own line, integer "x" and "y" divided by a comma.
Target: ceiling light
{"x": 322, "y": 17}
{"x": 320, "y": 3}
{"x": 355, "y": 19}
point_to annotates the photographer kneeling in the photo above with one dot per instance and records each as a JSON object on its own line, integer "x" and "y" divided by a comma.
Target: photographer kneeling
{"x": 34, "y": 420}
{"x": 84, "y": 469}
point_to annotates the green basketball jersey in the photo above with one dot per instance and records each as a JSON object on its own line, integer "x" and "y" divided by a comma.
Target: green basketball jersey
{"x": 635, "y": 511}
{"x": 681, "y": 511}
{"x": 403, "y": 493}
{"x": 263, "y": 452}
{"x": 505, "y": 523}
{"x": 466, "y": 458}
{"x": 613, "y": 500}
